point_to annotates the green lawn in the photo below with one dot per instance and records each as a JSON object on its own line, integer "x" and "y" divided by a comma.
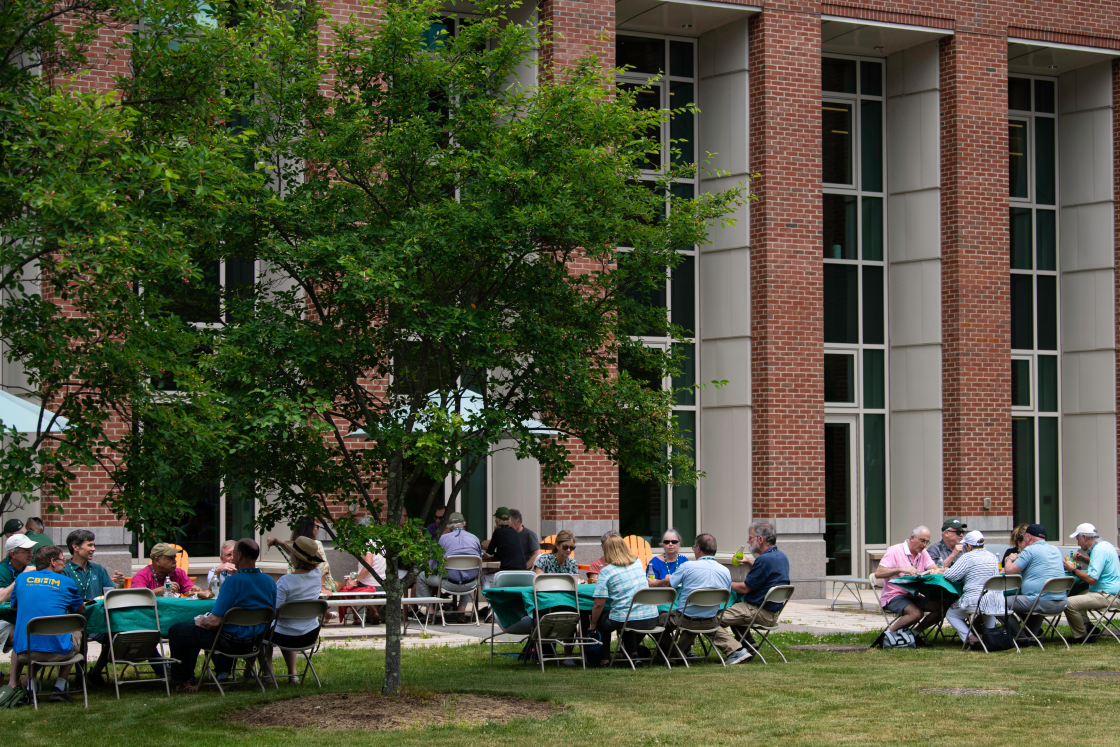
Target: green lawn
{"x": 818, "y": 698}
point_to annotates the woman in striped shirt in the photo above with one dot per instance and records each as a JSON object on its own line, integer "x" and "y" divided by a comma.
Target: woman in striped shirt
{"x": 974, "y": 567}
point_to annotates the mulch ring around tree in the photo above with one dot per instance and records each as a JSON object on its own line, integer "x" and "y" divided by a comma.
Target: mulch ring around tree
{"x": 371, "y": 711}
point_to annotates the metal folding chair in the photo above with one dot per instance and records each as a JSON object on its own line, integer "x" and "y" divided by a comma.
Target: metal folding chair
{"x": 461, "y": 563}
{"x": 132, "y": 648}
{"x": 654, "y": 598}
{"x": 558, "y": 628}
{"x": 704, "y": 598}
{"x": 503, "y": 579}
{"x": 1104, "y": 619}
{"x": 879, "y": 602}
{"x": 1061, "y": 584}
{"x": 776, "y": 595}
{"x": 994, "y": 585}
{"x": 243, "y": 617}
{"x": 305, "y": 610}
{"x": 56, "y": 625}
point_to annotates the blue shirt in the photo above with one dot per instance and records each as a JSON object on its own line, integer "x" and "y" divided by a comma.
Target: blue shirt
{"x": 460, "y": 542}
{"x": 1104, "y": 565}
{"x": 658, "y": 568}
{"x": 705, "y": 573}
{"x": 248, "y": 588}
{"x": 769, "y": 569}
{"x": 42, "y": 594}
{"x": 618, "y": 584}
{"x": 1039, "y": 563}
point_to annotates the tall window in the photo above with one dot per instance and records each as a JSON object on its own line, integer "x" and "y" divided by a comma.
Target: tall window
{"x": 648, "y": 508}
{"x": 1033, "y": 223}
{"x": 854, "y": 253}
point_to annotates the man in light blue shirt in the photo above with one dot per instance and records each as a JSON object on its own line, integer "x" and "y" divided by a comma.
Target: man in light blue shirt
{"x": 456, "y": 541}
{"x": 705, "y": 573}
{"x": 1038, "y": 563}
{"x": 1102, "y": 576}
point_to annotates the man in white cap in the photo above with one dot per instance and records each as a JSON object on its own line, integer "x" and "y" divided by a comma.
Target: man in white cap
{"x": 18, "y": 550}
{"x": 974, "y": 567}
{"x": 1102, "y": 576}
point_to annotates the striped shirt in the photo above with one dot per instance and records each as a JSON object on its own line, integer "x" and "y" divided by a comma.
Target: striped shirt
{"x": 618, "y": 584}
{"x": 975, "y": 568}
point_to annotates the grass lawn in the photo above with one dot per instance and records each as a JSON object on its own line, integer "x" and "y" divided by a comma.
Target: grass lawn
{"x": 818, "y": 698}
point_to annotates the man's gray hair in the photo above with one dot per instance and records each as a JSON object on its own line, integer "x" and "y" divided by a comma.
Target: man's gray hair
{"x": 1090, "y": 535}
{"x": 228, "y": 544}
{"x": 515, "y": 514}
{"x": 609, "y": 533}
{"x": 919, "y": 529}
{"x": 765, "y": 530}
{"x": 672, "y": 531}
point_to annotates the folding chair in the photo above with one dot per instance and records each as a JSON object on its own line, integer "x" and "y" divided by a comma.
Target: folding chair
{"x": 243, "y": 617}
{"x": 704, "y": 598}
{"x": 995, "y": 585}
{"x": 879, "y": 602}
{"x": 135, "y": 647}
{"x": 65, "y": 625}
{"x": 654, "y": 598}
{"x": 558, "y": 628}
{"x": 461, "y": 563}
{"x": 506, "y": 579}
{"x": 305, "y": 610}
{"x": 777, "y": 595}
{"x": 1104, "y": 619}
{"x": 1061, "y": 584}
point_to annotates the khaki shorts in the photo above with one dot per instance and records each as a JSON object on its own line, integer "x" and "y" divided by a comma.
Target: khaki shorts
{"x": 43, "y": 657}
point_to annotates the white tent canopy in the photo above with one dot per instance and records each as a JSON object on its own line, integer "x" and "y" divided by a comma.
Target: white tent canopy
{"x": 25, "y": 416}
{"x": 470, "y": 408}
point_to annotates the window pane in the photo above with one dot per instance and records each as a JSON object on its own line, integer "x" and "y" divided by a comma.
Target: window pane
{"x": 239, "y": 515}
{"x": 1017, "y": 157}
{"x": 871, "y": 145}
{"x": 1047, "y": 312}
{"x": 686, "y": 351}
{"x": 1019, "y": 94}
{"x": 836, "y": 143}
{"x": 873, "y": 305}
{"x": 1047, "y": 383}
{"x": 684, "y": 496}
{"x": 1020, "y": 238}
{"x": 1020, "y": 383}
{"x": 642, "y": 507}
{"x": 198, "y": 534}
{"x": 639, "y": 368}
{"x": 1044, "y": 96}
{"x": 837, "y": 499}
{"x": 684, "y": 294}
{"x": 839, "y": 378}
{"x": 1048, "y": 473}
{"x": 649, "y": 98}
{"x": 874, "y": 380}
{"x": 654, "y": 298}
{"x": 472, "y": 497}
{"x": 873, "y": 228}
{"x": 436, "y": 35}
{"x": 871, "y": 78}
{"x": 644, "y": 55}
{"x": 875, "y": 478}
{"x": 841, "y": 296}
{"x": 240, "y": 279}
{"x": 1022, "y": 470}
{"x": 1046, "y": 244}
{"x": 1022, "y": 312}
{"x": 838, "y": 75}
{"x": 1044, "y": 171}
{"x": 840, "y": 227}
{"x": 683, "y": 124}
{"x": 680, "y": 59}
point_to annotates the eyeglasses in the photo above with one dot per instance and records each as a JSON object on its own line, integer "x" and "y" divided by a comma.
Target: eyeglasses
{"x": 569, "y": 548}
{"x": 670, "y": 542}
{"x": 957, "y": 532}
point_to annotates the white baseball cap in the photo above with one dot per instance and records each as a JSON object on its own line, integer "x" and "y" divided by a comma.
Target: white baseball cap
{"x": 974, "y": 539}
{"x": 1083, "y": 529}
{"x": 18, "y": 542}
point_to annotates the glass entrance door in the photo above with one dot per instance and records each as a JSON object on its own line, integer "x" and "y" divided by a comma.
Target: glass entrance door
{"x": 839, "y": 492}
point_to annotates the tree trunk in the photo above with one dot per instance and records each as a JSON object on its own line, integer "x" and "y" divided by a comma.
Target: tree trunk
{"x": 393, "y": 594}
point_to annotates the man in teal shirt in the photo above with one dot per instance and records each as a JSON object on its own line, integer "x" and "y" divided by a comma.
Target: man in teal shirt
{"x": 34, "y": 531}
{"x": 1102, "y": 576}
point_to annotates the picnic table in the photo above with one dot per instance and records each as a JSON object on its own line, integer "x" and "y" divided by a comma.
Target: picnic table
{"x": 511, "y": 603}
{"x": 171, "y": 610}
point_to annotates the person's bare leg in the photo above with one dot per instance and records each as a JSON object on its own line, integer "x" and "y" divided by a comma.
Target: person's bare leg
{"x": 935, "y": 614}
{"x": 290, "y": 660}
{"x": 16, "y": 666}
{"x": 910, "y": 615}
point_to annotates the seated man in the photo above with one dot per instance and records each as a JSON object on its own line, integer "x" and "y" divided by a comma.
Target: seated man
{"x": 17, "y": 548}
{"x": 1038, "y": 563}
{"x": 705, "y": 573}
{"x": 35, "y": 530}
{"x": 769, "y": 568}
{"x": 1103, "y": 577}
{"x": 45, "y": 592}
{"x": 945, "y": 552}
{"x": 92, "y": 580}
{"x": 155, "y": 575}
{"x": 907, "y": 559}
{"x": 504, "y": 546}
{"x": 225, "y": 568}
{"x": 457, "y": 541}
{"x": 248, "y": 588}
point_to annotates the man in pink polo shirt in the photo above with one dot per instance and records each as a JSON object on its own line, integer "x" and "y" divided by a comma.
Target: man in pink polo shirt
{"x": 906, "y": 559}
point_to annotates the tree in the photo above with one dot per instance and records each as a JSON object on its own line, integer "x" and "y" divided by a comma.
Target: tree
{"x": 443, "y": 273}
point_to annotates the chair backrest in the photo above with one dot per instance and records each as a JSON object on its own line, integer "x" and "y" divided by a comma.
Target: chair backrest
{"x": 514, "y": 578}
{"x": 779, "y": 595}
{"x": 56, "y": 625}
{"x": 247, "y": 618}
{"x": 303, "y": 610}
{"x": 708, "y": 598}
{"x": 1061, "y": 584}
{"x": 546, "y": 582}
{"x": 655, "y": 597}
{"x": 182, "y": 559}
{"x": 1001, "y": 584}
{"x": 550, "y": 540}
{"x": 875, "y": 589}
{"x": 640, "y": 547}
{"x": 462, "y": 562}
{"x": 121, "y": 599}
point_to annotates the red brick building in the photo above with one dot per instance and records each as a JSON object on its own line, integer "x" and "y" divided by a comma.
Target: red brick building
{"x": 918, "y": 316}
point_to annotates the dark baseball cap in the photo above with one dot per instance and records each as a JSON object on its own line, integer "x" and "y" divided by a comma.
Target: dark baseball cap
{"x": 501, "y": 513}
{"x": 1037, "y": 530}
{"x": 12, "y": 525}
{"x": 953, "y": 524}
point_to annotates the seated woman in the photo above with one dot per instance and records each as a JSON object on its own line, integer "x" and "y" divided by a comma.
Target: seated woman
{"x": 1018, "y": 542}
{"x": 974, "y": 567}
{"x": 619, "y": 579}
{"x": 302, "y": 584}
{"x": 309, "y": 527}
{"x": 560, "y": 561}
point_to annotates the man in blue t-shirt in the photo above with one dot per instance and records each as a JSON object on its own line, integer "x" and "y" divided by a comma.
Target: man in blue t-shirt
{"x": 45, "y": 592}
{"x": 1037, "y": 563}
{"x": 248, "y": 588}
{"x": 666, "y": 565}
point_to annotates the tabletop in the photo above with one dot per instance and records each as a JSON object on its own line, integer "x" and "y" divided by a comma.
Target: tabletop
{"x": 936, "y": 586}
{"x": 171, "y": 610}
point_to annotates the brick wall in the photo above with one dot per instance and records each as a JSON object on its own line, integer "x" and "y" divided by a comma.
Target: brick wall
{"x": 576, "y": 27}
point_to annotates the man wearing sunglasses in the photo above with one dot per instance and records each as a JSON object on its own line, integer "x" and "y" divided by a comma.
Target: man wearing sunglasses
{"x": 945, "y": 552}
{"x": 667, "y": 564}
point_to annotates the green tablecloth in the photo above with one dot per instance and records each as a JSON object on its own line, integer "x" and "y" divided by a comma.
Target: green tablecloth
{"x": 512, "y": 603}
{"x": 171, "y": 610}
{"x": 7, "y": 614}
{"x": 931, "y": 587}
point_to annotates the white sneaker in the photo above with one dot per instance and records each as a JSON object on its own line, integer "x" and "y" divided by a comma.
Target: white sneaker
{"x": 739, "y": 657}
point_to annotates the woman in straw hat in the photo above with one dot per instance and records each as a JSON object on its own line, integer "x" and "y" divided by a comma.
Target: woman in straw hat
{"x": 302, "y": 584}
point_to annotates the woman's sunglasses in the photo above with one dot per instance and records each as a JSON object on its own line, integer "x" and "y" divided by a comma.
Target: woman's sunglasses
{"x": 569, "y": 548}
{"x": 670, "y": 542}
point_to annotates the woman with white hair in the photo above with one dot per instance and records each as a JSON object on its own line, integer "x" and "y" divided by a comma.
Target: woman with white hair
{"x": 974, "y": 567}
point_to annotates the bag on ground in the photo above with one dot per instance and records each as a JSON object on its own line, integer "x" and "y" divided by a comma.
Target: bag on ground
{"x": 904, "y": 638}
